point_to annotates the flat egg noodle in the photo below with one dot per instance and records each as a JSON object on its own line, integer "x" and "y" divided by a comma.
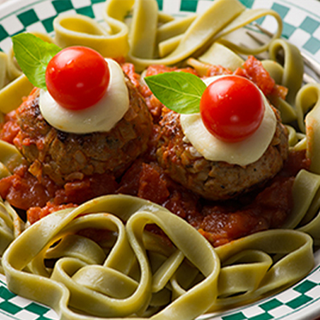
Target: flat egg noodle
{"x": 218, "y": 54}
{"x": 81, "y": 265}
{"x": 132, "y": 296}
{"x": 11, "y": 95}
{"x": 145, "y": 22}
{"x": 241, "y": 273}
{"x": 296, "y": 260}
{"x": 14, "y": 85}
{"x": 6, "y": 227}
{"x": 196, "y": 36}
{"x": 305, "y": 215}
{"x": 38, "y": 239}
{"x": 11, "y": 226}
{"x": 10, "y": 158}
{"x": 228, "y": 17}
{"x": 144, "y": 13}
{"x": 3, "y": 69}
{"x": 111, "y": 41}
{"x": 287, "y": 111}
{"x": 245, "y": 18}
{"x": 234, "y": 279}
{"x": 4, "y": 172}
{"x": 172, "y": 32}
{"x": 114, "y": 39}
{"x": 308, "y": 104}
{"x": 310, "y": 223}
{"x": 123, "y": 282}
{"x": 274, "y": 69}
{"x": 183, "y": 37}
{"x": 296, "y": 139}
{"x": 293, "y": 66}
{"x": 307, "y": 192}
{"x": 296, "y": 257}
{"x": 9, "y": 70}
{"x": 290, "y": 75}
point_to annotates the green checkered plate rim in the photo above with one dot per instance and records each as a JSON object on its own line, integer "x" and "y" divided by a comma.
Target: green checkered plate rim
{"x": 301, "y": 27}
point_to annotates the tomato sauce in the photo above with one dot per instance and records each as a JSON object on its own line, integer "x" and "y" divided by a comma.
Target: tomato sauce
{"x": 23, "y": 190}
{"x": 253, "y": 70}
{"x": 219, "y": 222}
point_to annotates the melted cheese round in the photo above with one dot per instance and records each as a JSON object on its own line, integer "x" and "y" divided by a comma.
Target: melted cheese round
{"x": 241, "y": 153}
{"x": 102, "y": 116}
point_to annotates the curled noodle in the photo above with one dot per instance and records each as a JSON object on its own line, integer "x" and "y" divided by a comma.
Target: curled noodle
{"x": 14, "y": 85}
{"x": 174, "y": 40}
{"x": 11, "y": 226}
{"x": 293, "y": 67}
{"x": 10, "y": 157}
{"x": 126, "y": 262}
{"x": 133, "y": 278}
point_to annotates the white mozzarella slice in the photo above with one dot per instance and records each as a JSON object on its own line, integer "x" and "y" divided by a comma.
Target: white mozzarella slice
{"x": 102, "y": 116}
{"x": 241, "y": 153}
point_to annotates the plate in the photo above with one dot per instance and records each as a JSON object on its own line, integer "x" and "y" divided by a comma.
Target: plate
{"x": 301, "y": 27}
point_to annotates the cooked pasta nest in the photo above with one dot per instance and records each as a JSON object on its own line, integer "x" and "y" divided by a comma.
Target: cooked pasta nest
{"x": 131, "y": 272}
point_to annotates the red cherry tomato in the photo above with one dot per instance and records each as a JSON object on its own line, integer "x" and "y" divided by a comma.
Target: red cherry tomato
{"x": 232, "y": 108}
{"x": 77, "y": 77}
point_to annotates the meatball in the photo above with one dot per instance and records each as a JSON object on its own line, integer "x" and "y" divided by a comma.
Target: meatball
{"x": 67, "y": 156}
{"x": 215, "y": 180}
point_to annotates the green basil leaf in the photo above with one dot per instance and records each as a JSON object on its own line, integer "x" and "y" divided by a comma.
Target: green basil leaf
{"x": 33, "y": 56}
{"x": 178, "y": 91}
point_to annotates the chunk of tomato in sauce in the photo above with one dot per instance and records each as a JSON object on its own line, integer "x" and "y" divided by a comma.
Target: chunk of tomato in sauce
{"x": 9, "y": 129}
{"x": 253, "y": 69}
{"x": 23, "y": 190}
{"x": 36, "y": 213}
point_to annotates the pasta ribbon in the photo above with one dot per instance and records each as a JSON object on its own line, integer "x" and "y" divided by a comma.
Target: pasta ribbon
{"x": 81, "y": 30}
{"x": 10, "y": 157}
{"x": 200, "y": 32}
{"x": 4, "y": 172}
{"x": 154, "y": 38}
{"x": 170, "y": 34}
{"x": 118, "y": 281}
{"x": 219, "y": 54}
{"x": 292, "y": 256}
{"x": 11, "y": 226}
{"x": 11, "y": 95}
{"x": 13, "y": 84}
{"x": 3, "y": 69}
{"x": 245, "y": 18}
{"x": 277, "y": 71}
{"x": 144, "y": 22}
{"x": 309, "y": 98}
{"x": 126, "y": 276}
{"x": 123, "y": 270}
{"x": 293, "y": 66}
{"x": 296, "y": 140}
{"x": 289, "y": 75}
{"x": 9, "y": 70}
{"x": 305, "y": 216}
